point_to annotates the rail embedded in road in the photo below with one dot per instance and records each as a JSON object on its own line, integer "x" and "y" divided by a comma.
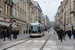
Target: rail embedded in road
{"x": 45, "y": 42}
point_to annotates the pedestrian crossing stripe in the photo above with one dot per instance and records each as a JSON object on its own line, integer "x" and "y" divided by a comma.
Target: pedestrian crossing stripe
{"x": 35, "y": 49}
{"x": 50, "y": 48}
{"x": 46, "y": 49}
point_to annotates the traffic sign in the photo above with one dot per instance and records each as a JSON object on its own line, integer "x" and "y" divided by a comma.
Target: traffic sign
{"x": 10, "y": 21}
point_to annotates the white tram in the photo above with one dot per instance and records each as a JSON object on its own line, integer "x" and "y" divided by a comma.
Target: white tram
{"x": 36, "y": 29}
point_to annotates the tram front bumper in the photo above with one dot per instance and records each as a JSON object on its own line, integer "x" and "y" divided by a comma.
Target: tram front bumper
{"x": 35, "y": 34}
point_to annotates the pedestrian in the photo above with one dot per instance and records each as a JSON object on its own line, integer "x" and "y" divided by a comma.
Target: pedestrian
{"x": 24, "y": 31}
{"x": 4, "y": 34}
{"x": 69, "y": 34}
{"x": 15, "y": 34}
{"x": 74, "y": 34}
{"x": 18, "y": 32}
{"x": 61, "y": 33}
{"x": 64, "y": 34}
{"x": 8, "y": 35}
{"x": 58, "y": 34}
{"x": 1, "y": 33}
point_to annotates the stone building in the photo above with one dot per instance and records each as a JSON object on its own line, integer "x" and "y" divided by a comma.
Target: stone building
{"x": 5, "y": 13}
{"x": 19, "y": 14}
{"x": 37, "y": 12}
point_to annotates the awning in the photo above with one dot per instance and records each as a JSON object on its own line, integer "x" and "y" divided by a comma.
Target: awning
{"x": 4, "y": 24}
{"x": 7, "y": 24}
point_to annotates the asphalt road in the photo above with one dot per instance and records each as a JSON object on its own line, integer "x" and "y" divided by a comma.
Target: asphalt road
{"x": 48, "y": 42}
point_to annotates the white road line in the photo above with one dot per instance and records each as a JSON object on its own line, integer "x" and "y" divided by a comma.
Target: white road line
{"x": 23, "y": 49}
{"x": 46, "y": 49}
{"x": 20, "y": 41}
{"x": 68, "y": 47}
{"x": 42, "y": 41}
{"x": 11, "y": 49}
{"x": 35, "y": 41}
{"x": 49, "y": 41}
{"x": 35, "y": 48}
{"x": 53, "y": 47}
{"x": 29, "y": 41}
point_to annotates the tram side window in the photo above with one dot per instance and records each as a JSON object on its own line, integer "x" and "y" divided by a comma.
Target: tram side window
{"x": 39, "y": 30}
{"x": 30, "y": 29}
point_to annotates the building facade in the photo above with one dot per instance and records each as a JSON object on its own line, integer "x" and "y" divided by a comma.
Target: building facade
{"x": 19, "y": 14}
{"x": 5, "y": 12}
{"x": 67, "y": 12}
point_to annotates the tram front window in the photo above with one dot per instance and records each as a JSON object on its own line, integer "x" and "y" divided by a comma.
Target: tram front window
{"x": 35, "y": 28}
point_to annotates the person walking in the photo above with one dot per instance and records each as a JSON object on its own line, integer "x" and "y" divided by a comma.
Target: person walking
{"x": 4, "y": 34}
{"x": 73, "y": 34}
{"x": 24, "y": 31}
{"x": 15, "y": 34}
{"x": 8, "y": 35}
{"x": 69, "y": 34}
{"x": 1, "y": 33}
{"x": 61, "y": 33}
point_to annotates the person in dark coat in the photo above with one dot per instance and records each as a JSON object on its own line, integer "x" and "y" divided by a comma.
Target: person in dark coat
{"x": 8, "y": 35}
{"x": 18, "y": 32}
{"x": 1, "y": 33}
{"x": 4, "y": 34}
{"x": 58, "y": 34}
{"x": 15, "y": 34}
{"x": 24, "y": 31}
{"x": 61, "y": 33}
{"x": 73, "y": 33}
{"x": 69, "y": 34}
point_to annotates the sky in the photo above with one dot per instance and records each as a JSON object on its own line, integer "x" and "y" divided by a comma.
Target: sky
{"x": 49, "y": 7}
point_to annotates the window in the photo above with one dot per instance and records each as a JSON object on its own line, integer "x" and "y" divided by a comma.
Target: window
{"x": 17, "y": 13}
{"x": 20, "y": 3}
{"x": 4, "y": 9}
{"x": 17, "y": 2}
{"x": 14, "y": 12}
{"x": 22, "y": 16}
{"x": 14, "y": 1}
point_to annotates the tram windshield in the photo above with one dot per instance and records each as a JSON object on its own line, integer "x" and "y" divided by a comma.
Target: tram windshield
{"x": 34, "y": 27}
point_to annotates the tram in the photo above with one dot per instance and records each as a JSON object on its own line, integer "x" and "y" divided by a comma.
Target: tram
{"x": 36, "y": 29}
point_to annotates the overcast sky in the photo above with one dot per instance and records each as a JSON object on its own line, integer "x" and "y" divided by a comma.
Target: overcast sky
{"x": 49, "y": 7}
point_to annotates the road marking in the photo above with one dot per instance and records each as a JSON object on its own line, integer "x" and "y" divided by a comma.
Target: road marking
{"x": 49, "y": 41}
{"x": 35, "y": 41}
{"x": 68, "y": 47}
{"x": 23, "y": 49}
{"x": 20, "y": 41}
{"x": 46, "y": 49}
{"x": 35, "y": 49}
{"x": 11, "y": 49}
{"x": 29, "y": 41}
{"x": 53, "y": 47}
{"x": 42, "y": 40}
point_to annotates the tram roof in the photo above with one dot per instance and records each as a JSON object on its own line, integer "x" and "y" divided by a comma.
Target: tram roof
{"x": 34, "y": 23}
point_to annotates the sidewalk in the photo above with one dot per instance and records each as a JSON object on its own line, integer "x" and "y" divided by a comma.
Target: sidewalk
{"x": 19, "y": 37}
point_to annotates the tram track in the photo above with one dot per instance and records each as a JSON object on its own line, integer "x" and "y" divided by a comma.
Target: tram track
{"x": 23, "y": 41}
{"x": 45, "y": 42}
{"x": 17, "y": 44}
